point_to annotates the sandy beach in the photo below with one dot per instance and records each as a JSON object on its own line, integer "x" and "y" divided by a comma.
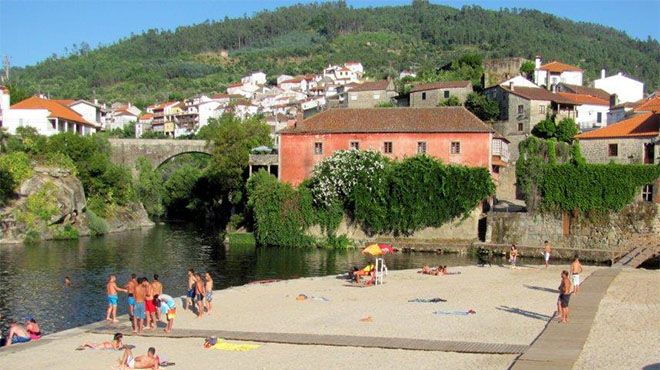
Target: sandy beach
{"x": 512, "y": 307}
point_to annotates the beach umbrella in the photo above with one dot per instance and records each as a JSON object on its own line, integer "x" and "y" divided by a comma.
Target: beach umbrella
{"x": 386, "y": 248}
{"x": 373, "y": 249}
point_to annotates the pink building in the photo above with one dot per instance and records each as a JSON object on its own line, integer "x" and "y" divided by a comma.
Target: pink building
{"x": 452, "y": 134}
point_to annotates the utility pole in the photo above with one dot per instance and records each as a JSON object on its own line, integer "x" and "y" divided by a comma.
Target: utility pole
{"x": 6, "y": 65}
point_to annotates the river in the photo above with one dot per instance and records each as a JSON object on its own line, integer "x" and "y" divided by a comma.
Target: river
{"x": 31, "y": 277}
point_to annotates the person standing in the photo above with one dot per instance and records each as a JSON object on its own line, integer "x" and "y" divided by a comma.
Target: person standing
{"x": 130, "y": 289}
{"x": 140, "y": 310}
{"x": 149, "y": 305}
{"x": 547, "y": 249}
{"x": 576, "y": 270}
{"x": 157, "y": 288}
{"x": 111, "y": 289}
{"x": 190, "y": 293}
{"x": 208, "y": 287}
{"x": 513, "y": 255}
{"x": 565, "y": 289}
{"x": 199, "y": 294}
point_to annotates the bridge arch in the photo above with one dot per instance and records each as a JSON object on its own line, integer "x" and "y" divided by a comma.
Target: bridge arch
{"x": 158, "y": 151}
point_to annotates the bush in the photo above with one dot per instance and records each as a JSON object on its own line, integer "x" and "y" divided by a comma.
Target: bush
{"x": 97, "y": 225}
{"x": 6, "y": 186}
{"x": 66, "y": 232}
{"x": 59, "y": 160}
{"x": 18, "y": 165}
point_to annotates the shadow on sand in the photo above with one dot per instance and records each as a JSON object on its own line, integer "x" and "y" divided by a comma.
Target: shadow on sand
{"x": 530, "y": 314}
{"x": 543, "y": 289}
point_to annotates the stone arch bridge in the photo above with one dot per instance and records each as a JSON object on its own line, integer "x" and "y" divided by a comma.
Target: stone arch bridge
{"x": 127, "y": 151}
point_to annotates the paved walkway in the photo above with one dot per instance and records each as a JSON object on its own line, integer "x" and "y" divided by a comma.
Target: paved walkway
{"x": 637, "y": 256}
{"x": 559, "y": 345}
{"x": 332, "y": 340}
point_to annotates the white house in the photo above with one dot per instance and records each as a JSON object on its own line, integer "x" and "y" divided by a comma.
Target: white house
{"x": 4, "y": 101}
{"x": 90, "y": 111}
{"x": 590, "y": 112}
{"x": 296, "y": 83}
{"x": 282, "y": 78}
{"x": 121, "y": 118}
{"x": 626, "y": 89}
{"x": 406, "y": 73}
{"x": 256, "y": 78}
{"x": 47, "y": 116}
{"x": 518, "y": 81}
{"x": 556, "y": 72}
{"x": 356, "y": 68}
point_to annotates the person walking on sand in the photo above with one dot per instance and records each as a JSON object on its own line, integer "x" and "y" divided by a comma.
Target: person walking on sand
{"x": 140, "y": 309}
{"x": 130, "y": 289}
{"x": 208, "y": 287}
{"x": 547, "y": 249}
{"x": 157, "y": 288}
{"x": 513, "y": 255}
{"x": 565, "y": 289}
{"x": 576, "y": 270}
{"x": 149, "y": 305}
{"x": 199, "y": 294}
{"x": 148, "y": 361}
{"x": 190, "y": 293}
{"x": 111, "y": 289}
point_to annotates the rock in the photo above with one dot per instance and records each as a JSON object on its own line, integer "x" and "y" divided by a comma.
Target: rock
{"x": 70, "y": 193}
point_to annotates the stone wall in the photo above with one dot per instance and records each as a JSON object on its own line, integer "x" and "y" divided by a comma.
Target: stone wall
{"x": 629, "y": 150}
{"x": 529, "y": 230}
{"x": 462, "y": 232}
{"x": 506, "y": 183}
{"x": 434, "y": 97}
{"x": 127, "y": 151}
{"x": 499, "y": 70}
{"x": 368, "y": 99}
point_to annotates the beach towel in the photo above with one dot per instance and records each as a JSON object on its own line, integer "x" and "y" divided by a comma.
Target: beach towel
{"x": 234, "y": 347}
{"x": 427, "y": 300}
{"x": 456, "y": 313}
{"x": 302, "y": 297}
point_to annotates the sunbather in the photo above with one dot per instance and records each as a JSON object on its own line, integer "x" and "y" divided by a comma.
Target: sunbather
{"x": 148, "y": 361}
{"x": 367, "y": 270}
{"x": 115, "y": 344}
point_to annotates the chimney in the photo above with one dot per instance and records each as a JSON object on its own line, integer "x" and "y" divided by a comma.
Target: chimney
{"x": 300, "y": 116}
{"x": 614, "y": 100}
{"x": 537, "y": 62}
{"x": 96, "y": 102}
{"x": 512, "y": 86}
{"x": 602, "y": 73}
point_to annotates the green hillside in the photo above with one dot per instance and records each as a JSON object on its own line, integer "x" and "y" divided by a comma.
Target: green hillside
{"x": 158, "y": 65}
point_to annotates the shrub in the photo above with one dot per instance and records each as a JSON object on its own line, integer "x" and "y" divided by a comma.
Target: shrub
{"x": 97, "y": 225}
{"x": 18, "y": 165}
{"x": 59, "y": 160}
{"x": 6, "y": 186}
{"x": 66, "y": 232}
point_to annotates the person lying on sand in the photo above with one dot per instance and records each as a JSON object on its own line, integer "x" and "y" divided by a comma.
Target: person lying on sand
{"x": 437, "y": 270}
{"x": 115, "y": 344}
{"x": 148, "y": 361}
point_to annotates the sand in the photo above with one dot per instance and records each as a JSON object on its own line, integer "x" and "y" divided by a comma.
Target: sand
{"x": 512, "y": 307}
{"x": 626, "y": 330}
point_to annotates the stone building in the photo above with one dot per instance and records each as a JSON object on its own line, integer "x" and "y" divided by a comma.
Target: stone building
{"x": 502, "y": 69}
{"x": 371, "y": 94}
{"x": 431, "y": 94}
{"x": 521, "y": 108}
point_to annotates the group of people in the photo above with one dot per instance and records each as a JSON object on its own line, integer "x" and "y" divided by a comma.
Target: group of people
{"x": 200, "y": 292}
{"x": 147, "y": 303}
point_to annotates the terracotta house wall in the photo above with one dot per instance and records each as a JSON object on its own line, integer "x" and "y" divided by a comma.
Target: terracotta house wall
{"x": 297, "y": 158}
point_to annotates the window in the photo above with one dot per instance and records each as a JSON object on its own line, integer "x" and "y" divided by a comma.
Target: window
{"x": 423, "y": 96}
{"x": 318, "y": 148}
{"x": 455, "y": 147}
{"x": 421, "y": 147}
{"x": 521, "y": 109}
{"x": 541, "y": 109}
{"x": 613, "y": 150}
{"x": 520, "y": 126}
{"x": 355, "y": 145}
{"x": 599, "y": 117}
{"x": 376, "y": 96}
{"x": 647, "y": 193}
{"x": 387, "y": 147}
{"x": 446, "y": 94}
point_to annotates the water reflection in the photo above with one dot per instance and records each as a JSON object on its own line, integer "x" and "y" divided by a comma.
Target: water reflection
{"x": 31, "y": 277}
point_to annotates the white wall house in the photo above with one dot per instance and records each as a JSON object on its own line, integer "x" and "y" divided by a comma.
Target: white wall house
{"x": 257, "y": 78}
{"x": 626, "y": 89}
{"x": 90, "y": 111}
{"x": 48, "y": 117}
{"x": 590, "y": 112}
{"x": 556, "y": 72}
{"x": 121, "y": 118}
{"x": 4, "y": 101}
{"x": 519, "y": 81}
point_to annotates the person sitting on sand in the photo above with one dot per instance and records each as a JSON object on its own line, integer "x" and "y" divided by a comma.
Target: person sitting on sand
{"x": 17, "y": 334}
{"x": 32, "y": 328}
{"x": 366, "y": 271}
{"x": 115, "y": 344}
{"x": 148, "y": 361}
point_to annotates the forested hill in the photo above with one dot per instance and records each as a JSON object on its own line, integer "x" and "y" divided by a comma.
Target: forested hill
{"x": 158, "y": 65}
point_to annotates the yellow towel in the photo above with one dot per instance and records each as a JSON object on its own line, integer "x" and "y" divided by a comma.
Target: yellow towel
{"x": 226, "y": 346}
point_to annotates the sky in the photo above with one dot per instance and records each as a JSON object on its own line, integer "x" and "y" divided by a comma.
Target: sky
{"x": 32, "y": 30}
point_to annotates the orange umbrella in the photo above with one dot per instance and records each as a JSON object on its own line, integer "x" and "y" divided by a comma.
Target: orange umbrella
{"x": 373, "y": 249}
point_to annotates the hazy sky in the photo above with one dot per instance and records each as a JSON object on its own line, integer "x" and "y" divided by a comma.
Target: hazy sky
{"x": 31, "y": 30}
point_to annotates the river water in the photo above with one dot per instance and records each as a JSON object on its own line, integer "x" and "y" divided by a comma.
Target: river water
{"x": 31, "y": 277}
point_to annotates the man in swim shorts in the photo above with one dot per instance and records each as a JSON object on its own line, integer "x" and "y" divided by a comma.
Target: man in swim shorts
{"x": 111, "y": 289}
{"x": 547, "y": 249}
{"x": 130, "y": 289}
{"x": 17, "y": 334}
{"x": 149, "y": 304}
{"x": 208, "y": 287}
{"x": 565, "y": 289}
{"x": 168, "y": 310}
{"x": 576, "y": 270}
{"x": 190, "y": 293}
{"x": 140, "y": 310}
{"x": 199, "y": 294}
{"x": 157, "y": 288}
{"x": 148, "y": 361}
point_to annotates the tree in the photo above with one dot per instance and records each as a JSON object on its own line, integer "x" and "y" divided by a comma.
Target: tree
{"x": 452, "y": 101}
{"x": 546, "y": 129}
{"x": 566, "y": 130}
{"x": 527, "y": 69}
{"x": 149, "y": 188}
{"x": 483, "y": 107}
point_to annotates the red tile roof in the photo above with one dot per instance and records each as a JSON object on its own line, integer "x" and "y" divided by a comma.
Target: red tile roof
{"x": 650, "y": 105}
{"x": 577, "y": 89}
{"x": 639, "y": 125}
{"x": 146, "y": 116}
{"x": 390, "y": 120}
{"x": 440, "y": 85}
{"x": 559, "y": 67}
{"x": 536, "y": 93}
{"x": 584, "y": 99}
{"x": 66, "y": 102}
{"x": 121, "y": 112}
{"x": 221, "y": 96}
{"x": 55, "y": 109}
{"x": 370, "y": 86}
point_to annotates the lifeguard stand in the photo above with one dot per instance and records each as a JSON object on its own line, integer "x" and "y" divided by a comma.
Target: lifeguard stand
{"x": 380, "y": 271}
